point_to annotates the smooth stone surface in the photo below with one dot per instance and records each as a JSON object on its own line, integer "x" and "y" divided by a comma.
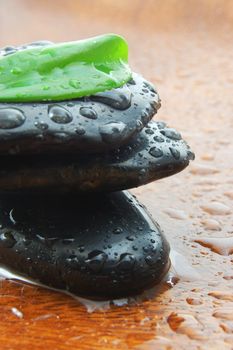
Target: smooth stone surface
{"x": 150, "y": 156}
{"x": 101, "y": 246}
{"x": 92, "y": 124}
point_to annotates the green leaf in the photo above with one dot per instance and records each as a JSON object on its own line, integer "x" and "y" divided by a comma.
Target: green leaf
{"x": 64, "y": 71}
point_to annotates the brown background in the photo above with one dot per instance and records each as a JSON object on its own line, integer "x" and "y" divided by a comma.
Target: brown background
{"x": 185, "y": 48}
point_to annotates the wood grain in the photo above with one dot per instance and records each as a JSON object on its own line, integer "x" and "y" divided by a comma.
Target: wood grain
{"x": 184, "y": 48}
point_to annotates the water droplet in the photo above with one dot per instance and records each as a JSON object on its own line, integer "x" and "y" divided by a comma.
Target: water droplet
{"x": 59, "y": 114}
{"x": 176, "y": 213}
{"x": 112, "y": 132}
{"x": 171, "y": 134}
{"x": 73, "y": 261}
{"x": 161, "y": 125}
{"x": 151, "y": 260}
{"x": 70, "y": 104}
{"x": 96, "y": 260}
{"x": 17, "y": 312}
{"x": 41, "y": 125}
{"x": 191, "y": 155}
{"x": 224, "y": 313}
{"x": 118, "y": 98}
{"x": 216, "y": 208}
{"x": 130, "y": 238}
{"x": 81, "y": 248}
{"x": 88, "y": 112}
{"x": 139, "y": 125}
{"x": 41, "y": 43}
{"x": 74, "y": 83}
{"x": 182, "y": 268}
{"x": 158, "y": 139}
{"x": 11, "y": 118}
{"x": 222, "y": 295}
{"x": 219, "y": 245}
{"x": 16, "y": 70}
{"x": 156, "y": 152}
{"x": 149, "y": 131}
{"x": 175, "y": 152}
{"x": 211, "y": 224}
{"x": 186, "y": 324}
{"x": 7, "y": 239}
{"x": 126, "y": 261}
{"x": 8, "y": 50}
{"x": 193, "y": 301}
{"x": 80, "y": 130}
{"x": 117, "y": 230}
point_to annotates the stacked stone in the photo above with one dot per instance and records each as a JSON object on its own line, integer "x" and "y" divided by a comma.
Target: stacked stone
{"x": 62, "y": 221}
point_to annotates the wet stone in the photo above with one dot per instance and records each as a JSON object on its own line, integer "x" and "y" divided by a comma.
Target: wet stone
{"x": 99, "y": 270}
{"x": 141, "y": 161}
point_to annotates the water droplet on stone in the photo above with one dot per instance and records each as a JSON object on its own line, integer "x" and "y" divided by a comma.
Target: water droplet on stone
{"x": 158, "y": 138}
{"x": 88, "y": 112}
{"x": 7, "y": 239}
{"x": 191, "y": 155}
{"x": 112, "y": 132}
{"x": 118, "y": 98}
{"x": 171, "y": 134}
{"x": 175, "y": 152}
{"x": 149, "y": 131}
{"x": 11, "y": 118}
{"x": 59, "y": 114}
{"x": 150, "y": 260}
{"x": 139, "y": 125}
{"x": 161, "y": 125}
{"x": 156, "y": 152}
{"x": 126, "y": 261}
{"x": 130, "y": 238}
{"x": 117, "y": 230}
{"x": 80, "y": 130}
{"x": 96, "y": 260}
{"x": 41, "y": 125}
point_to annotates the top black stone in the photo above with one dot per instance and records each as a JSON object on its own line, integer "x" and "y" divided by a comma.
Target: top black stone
{"x": 92, "y": 124}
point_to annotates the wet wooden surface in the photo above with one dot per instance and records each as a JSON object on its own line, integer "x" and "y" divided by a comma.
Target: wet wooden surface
{"x": 185, "y": 48}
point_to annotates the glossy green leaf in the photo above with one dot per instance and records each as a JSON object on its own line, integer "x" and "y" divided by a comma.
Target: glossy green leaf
{"x": 64, "y": 71}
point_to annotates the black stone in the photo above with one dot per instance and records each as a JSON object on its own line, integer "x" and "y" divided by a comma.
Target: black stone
{"x": 149, "y": 156}
{"x": 104, "y": 246}
{"x": 91, "y": 124}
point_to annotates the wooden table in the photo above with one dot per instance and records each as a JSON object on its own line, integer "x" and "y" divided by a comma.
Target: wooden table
{"x": 185, "y": 48}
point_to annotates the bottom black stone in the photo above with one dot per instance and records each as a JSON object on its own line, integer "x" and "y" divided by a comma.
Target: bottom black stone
{"x": 102, "y": 246}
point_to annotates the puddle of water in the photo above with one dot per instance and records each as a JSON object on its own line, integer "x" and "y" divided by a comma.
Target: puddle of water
{"x": 180, "y": 270}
